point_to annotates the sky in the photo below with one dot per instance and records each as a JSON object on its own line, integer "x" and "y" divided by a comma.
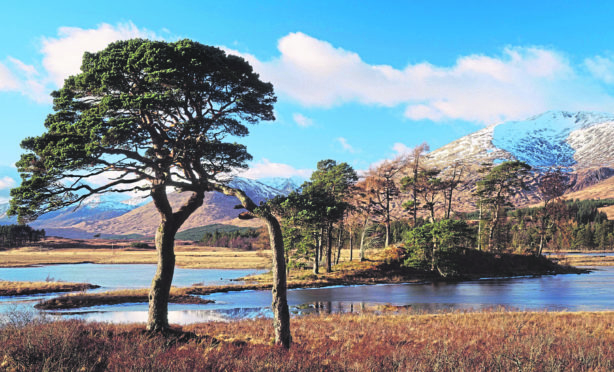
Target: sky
{"x": 356, "y": 81}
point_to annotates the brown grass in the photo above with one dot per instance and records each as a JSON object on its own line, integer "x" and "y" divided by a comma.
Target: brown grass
{"x": 490, "y": 341}
{"x": 8, "y": 288}
{"x": 580, "y": 260}
{"x": 188, "y": 256}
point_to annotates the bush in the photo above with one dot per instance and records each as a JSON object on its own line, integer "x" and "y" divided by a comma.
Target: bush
{"x": 139, "y": 245}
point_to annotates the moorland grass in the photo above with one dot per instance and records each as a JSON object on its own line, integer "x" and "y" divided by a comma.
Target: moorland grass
{"x": 9, "y": 288}
{"x": 79, "y": 300}
{"x": 489, "y": 340}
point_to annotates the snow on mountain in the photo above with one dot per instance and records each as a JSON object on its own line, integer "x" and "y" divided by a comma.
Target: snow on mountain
{"x": 283, "y": 184}
{"x": 581, "y": 141}
{"x": 255, "y": 189}
{"x": 555, "y": 138}
{"x": 551, "y": 139}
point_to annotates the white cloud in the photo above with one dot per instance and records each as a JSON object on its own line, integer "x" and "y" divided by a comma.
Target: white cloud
{"x": 345, "y": 145}
{"x": 63, "y": 54}
{"x": 401, "y": 149}
{"x": 302, "y": 120}
{"x": 8, "y": 81}
{"x": 601, "y": 67}
{"x": 61, "y": 57}
{"x": 7, "y": 182}
{"x": 266, "y": 168}
{"x": 519, "y": 82}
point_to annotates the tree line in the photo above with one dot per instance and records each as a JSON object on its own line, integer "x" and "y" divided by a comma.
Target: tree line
{"x": 19, "y": 235}
{"x": 248, "y": 239}
{"x": 336, "y": 209}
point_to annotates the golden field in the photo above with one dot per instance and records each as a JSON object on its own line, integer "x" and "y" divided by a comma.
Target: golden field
{"x": 187, "y": 256}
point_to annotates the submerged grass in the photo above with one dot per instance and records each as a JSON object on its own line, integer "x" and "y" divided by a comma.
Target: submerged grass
{"x": 491, "y": 340}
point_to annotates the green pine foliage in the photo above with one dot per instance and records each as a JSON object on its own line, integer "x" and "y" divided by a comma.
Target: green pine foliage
{"x": 19, "y": 235}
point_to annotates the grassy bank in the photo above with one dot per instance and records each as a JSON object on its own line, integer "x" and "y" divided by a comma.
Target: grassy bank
{"x": 79, "y": 300}
{"x": 406, "y": 342}
{"x": 8, "y": 288}
{"x": 584, "y": 260}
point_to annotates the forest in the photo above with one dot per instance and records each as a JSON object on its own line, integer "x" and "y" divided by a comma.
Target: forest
{"x": 403, "y": 203}
{"x": 19, "y": 235}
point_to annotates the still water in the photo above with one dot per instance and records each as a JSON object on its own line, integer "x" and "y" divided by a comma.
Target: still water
{"x": 571, "y": 292}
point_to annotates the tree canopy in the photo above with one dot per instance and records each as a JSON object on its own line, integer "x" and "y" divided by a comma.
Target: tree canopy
{"x": 149, "y": 116}
{"x": 148, "y": 111}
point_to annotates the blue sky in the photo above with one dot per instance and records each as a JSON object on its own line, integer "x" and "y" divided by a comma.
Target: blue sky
{"x": 356, "y": 81}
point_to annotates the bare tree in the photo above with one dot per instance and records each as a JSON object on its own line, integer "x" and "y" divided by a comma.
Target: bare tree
{"x": 382, "y": 188}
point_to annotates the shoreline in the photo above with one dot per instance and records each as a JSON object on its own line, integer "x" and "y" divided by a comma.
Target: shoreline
{"x": 348, "y": 274}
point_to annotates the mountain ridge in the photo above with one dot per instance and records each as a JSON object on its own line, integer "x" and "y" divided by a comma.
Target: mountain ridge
{"x": 579, "y": 142}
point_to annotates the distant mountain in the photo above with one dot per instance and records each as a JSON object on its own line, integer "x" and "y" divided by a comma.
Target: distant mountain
{"x": 285, "y": 185}
{"x": 556, "y": 138}
{"x": 96, "y": 207}
{"x": 114, "y": 214}
{"x": 582, "y": 142}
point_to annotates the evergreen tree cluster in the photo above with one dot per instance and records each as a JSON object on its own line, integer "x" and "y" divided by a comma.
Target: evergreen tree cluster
{"x": 19, "y": 235}
{"x": 247, "y": 239}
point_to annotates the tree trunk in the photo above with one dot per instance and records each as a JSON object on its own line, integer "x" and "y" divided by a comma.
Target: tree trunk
{"x": 387, "y": 219}
{"x": 387, "y": 234}
{"x": 161, "y": 284}
{"x": 316, "y": 259}
{"x": 321, "y": 244}
{"x": 433, "y": 260}
{"x": 480, "y": 229}
{"x": 281, "y": 313}
{"x": 351, "y": 243}
{"x": 329, "y": 248}
{"x": 159, "y": 293}
{"x": 362, "y": 240}
{"x": 339, "y": 244}
{"x": 281, "y": 322}
{"x": 491, "y": 232}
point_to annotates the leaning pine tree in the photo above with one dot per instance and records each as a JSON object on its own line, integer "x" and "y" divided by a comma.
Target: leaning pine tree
{"x": 150, "y": 116}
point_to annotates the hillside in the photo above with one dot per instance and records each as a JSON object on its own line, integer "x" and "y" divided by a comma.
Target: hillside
{"x": 112, "y": 215}
{"x": 580, "y": 142}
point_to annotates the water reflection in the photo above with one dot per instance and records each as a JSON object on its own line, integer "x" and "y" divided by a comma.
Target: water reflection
{"x": 181, "y": 317}
{"x": 121, "y": 276}
{"x": 591, "y": 292}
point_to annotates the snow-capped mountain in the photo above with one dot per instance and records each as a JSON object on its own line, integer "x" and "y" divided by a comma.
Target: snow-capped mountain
{"x": 96, "y": 207}
{"x": 256, "y": 189}
{"x": 285, "y": 185}
{"x": 122, "y": 214}
{"x": 554, "y": 139}
{"x": 581, "y": 142}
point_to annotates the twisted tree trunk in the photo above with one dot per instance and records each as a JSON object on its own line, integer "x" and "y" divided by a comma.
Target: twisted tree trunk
{"x": 161, "y": 284}
{"x": 157, "y": 319}
{"x": 281, "y": 321}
